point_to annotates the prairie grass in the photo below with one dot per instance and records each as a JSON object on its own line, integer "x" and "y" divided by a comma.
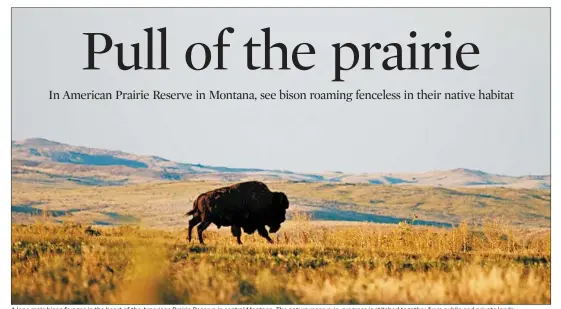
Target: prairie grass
{"x": 308, "y": 264}
{"x": 162, "y": 205}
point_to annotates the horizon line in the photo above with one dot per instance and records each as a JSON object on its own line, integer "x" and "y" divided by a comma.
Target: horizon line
{"x": 284, "y": 170}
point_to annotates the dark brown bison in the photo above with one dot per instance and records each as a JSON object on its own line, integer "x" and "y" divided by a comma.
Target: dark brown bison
{"x": 248, "y": 205}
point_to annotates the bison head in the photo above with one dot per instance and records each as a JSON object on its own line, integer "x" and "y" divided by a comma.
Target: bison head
{"x": 277, "y": 211}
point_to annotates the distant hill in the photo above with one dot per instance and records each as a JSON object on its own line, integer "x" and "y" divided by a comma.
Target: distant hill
{"x": 42, "y": 160}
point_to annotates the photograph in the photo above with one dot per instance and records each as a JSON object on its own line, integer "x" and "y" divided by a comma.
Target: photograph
{"x": 281, "y": 156}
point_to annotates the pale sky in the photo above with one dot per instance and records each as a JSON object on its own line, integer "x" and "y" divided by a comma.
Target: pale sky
{"x": 507, "y": 137}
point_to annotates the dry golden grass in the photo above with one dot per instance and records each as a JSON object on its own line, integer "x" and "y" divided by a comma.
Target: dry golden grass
{"x": 158, "y": 205}
{"x": 311, "y": 262}
{"x": 360, "y": 263}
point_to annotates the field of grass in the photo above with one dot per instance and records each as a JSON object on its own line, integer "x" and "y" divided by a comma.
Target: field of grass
{"x": 162, "y": 204}
{"x": 135, "y": 252}
{"x": 309, "y": 263}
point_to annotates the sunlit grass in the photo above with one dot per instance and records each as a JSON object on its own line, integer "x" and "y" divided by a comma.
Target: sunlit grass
{"x": 362, "y": 263}
{"x": 161, "y": 205}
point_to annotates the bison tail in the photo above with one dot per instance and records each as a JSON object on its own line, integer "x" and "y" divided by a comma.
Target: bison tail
{"x": 191, "y": 212}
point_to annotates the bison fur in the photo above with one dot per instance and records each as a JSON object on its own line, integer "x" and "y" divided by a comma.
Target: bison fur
{"x": 248, "y": 206}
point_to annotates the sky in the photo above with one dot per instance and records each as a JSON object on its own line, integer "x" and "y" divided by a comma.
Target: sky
{"x": 508, "y": 137}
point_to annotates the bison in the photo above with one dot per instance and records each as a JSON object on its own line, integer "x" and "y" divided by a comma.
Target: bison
{"x": 248, "y": 205}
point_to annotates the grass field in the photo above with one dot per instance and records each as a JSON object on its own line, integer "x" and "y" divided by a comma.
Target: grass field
{"x": 310, "y": 263}
{"x": 135, "y": 252}
{"x": 162, "y": 204}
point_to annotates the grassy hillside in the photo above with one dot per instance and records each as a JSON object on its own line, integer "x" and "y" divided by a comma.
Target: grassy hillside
{"x": 162, "y": 204}
{"x": 38, "y": 160}
{"x": 365, "y": 263}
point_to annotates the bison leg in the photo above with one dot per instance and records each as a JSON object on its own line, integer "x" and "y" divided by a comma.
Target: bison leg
{"x": 192, "y": 223}
{"x": 263, "y": 233}
{"x": 237, "y": 231}
{"x": 200, "y": 229}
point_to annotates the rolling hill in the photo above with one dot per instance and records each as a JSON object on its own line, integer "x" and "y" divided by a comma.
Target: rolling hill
{"x": 67, "y": 183}
{"x": 42, "y": 160}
